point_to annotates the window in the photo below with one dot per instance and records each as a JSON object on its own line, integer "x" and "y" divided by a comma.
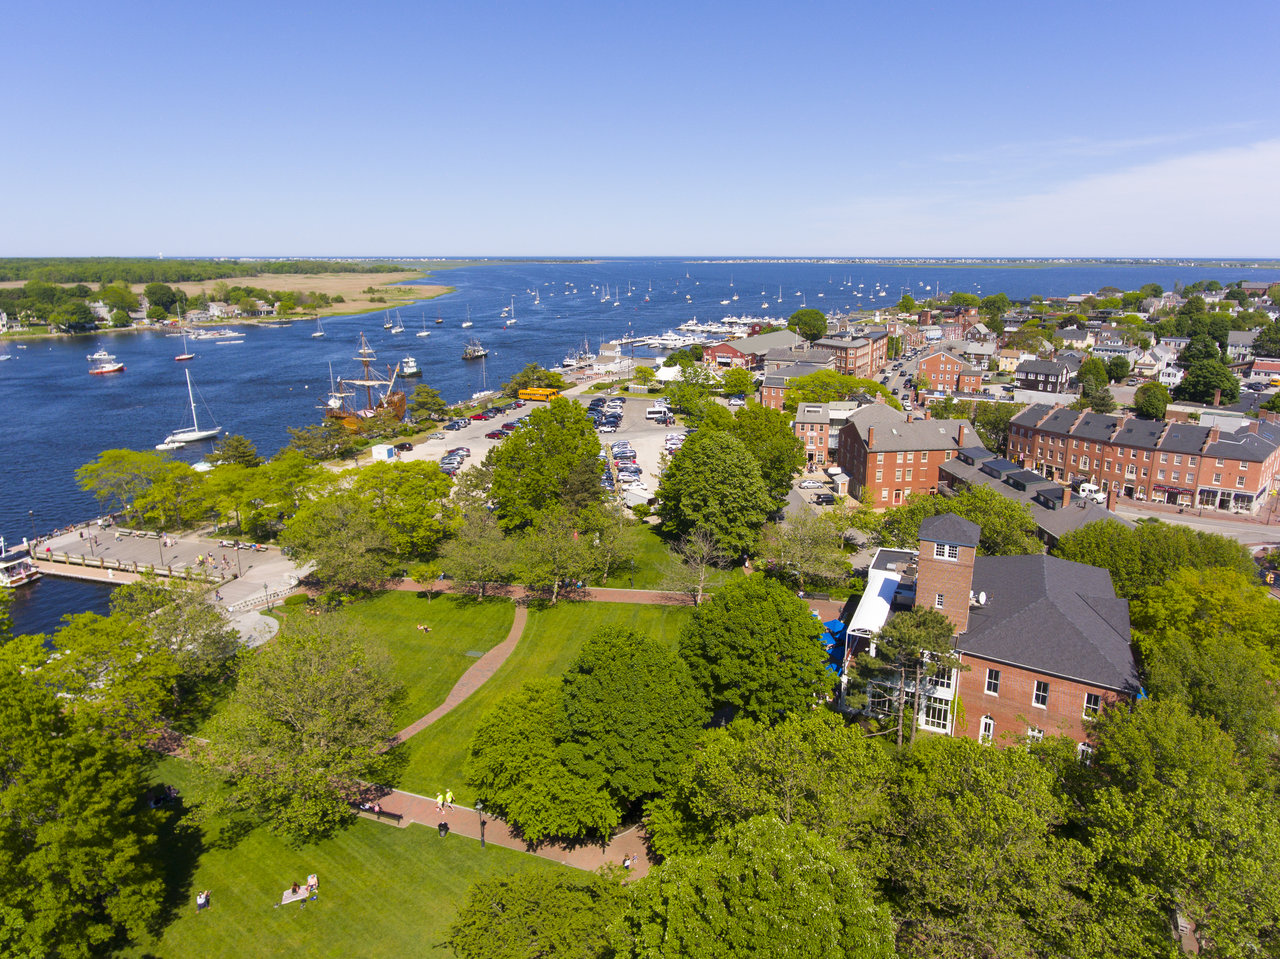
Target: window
{"x": 911, "y": 456}
{"x": 1174, "y": 477}
{"x": 1221, "y": 462}
{"x": 899, "y": 457}
{"x": 1147, "y": 456}
{"x": 1130, "y": 470}
{"x": 1217, "y": 479}
{"x": 936, "y": 714}
{"x": 1240, "y": 481}
{"x": 1145, "y": 471}
{"x": 988, "y": 731}
{"x": 1164, "y": 457}
{"x": 1159, "y": 474}
{"x": 1092, "y": 703}
{"x": 993, "y": 682}
{"x": 1041, "y": 696}
{"x": 1035, "y": 733}
{"x": 897, "y": 476}
{"x": 1177, "y": 459}
{"x": 879, "y": 476}
{"x": 937, "y": 601}
{"x": 908, "y": 473}
{"x": 884, "y": 494}
{"x": 1084, "y": 752}
{"x": 946, "y": 551}
{"x": 879, "y": 457}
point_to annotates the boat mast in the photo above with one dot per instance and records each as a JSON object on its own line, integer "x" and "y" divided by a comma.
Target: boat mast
{"x": 191, "y": 396}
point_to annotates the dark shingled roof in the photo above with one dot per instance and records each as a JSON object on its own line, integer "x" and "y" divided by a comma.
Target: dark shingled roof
{"x": 950, "y": 528}
{"x": 1052, "y": 616}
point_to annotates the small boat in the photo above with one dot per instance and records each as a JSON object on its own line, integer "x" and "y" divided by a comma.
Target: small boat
{"x": 101, "y": 363}
{"x": 319, "y": 329}
{"x": 425, "y": 331}
{"x": 15, "y": 566}
{"x": 409, "y": 367}
{"x": 192, "y": 433}
{"x": 439, "y": 319}
{"x": 466, "y": 325}
{"x": 168, "y": 446}
{"x": 474, "y": 351}
{"x": 387, "y": 325}
{"x": 399, "y": 327}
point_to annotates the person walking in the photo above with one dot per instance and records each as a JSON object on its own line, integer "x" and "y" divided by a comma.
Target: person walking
{"x": 448, "y": 799}
{"x": 203, "y": 900}
{"x": 439, "y": 802}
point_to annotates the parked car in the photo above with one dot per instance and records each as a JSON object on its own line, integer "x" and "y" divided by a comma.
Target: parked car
{"x": 404, "y": 447}
{"x": 464, "y": 450}
{"x": 455, "y": 424}
{"x": 607, "y": 428}
{"x": 511, "y": 426}
{"x": 810, "y": 484}
{"x": 825, "y": 499}
{"x": 436, "y": 436}
{"x": 495, "y": 435}
{"x": 478, "y": 416}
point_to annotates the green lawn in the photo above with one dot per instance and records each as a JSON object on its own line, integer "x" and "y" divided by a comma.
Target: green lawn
{"x": 654, "y": 561}
{"x": 383, "y": 891}
{"x": 429, "y": 663}
{"x": 551, "y": 639}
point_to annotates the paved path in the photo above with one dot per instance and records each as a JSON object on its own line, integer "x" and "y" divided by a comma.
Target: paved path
{"x": 464, "y": 821}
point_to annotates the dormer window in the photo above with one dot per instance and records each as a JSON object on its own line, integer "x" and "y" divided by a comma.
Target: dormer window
{"x": 946, "y": 551}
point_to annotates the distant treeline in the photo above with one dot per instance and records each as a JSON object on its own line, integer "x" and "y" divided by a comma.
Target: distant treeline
{"x": 144, "y": 270}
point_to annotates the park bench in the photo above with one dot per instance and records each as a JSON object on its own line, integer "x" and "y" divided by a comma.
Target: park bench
{"x": 380, "y": 813}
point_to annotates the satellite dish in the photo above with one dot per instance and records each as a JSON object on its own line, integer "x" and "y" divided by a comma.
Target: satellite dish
{"x": 982, "y": 599}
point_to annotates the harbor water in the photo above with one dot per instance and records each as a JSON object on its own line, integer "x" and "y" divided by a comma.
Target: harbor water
{"x": 58, "y": 417}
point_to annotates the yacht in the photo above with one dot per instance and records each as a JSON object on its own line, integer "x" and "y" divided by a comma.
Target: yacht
{"x": 409, "y": 368}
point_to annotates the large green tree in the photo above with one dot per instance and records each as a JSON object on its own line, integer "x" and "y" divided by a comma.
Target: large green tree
{"x": 714, "y": 483}
{"x": 1008, "y": 528}
{"x": 632, "y": 712}
{"x": 915, "y": 645}
{"x": 79, "y": 863}
{"x": 1206, "y": 379}
{"x": 537, "y": 915}
{"x": 550, "y": 463}
{"x": 737, "y": 381}
{"x": 769, "y": 437}
{"x": 117, "y": 478}
{"x": 767, "y": 889}
{"x": 754, "y": 649}
{"x": 551, "y": 554}
{"x": 828, "y": 386}
{"x": 480, "y": 555}
{"x": 1150, "y": 400}
{"x": 410, "y": 501}
{"x": 306, "y": 729}
{"x": 1267, "y": 342}
{"x": 532, "y": 376}
{"x": 326, "y": 440}
{"x": 351, "y": 547}
{"x": 809, "y": 323}
{"x": 425, "y": 403}
{"x": 234, "y": 448}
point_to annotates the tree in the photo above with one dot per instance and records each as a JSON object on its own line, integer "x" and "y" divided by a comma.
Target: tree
{"x": 1142, "y": 557}
{"x": 350, "y": 547}
{"x": 120, "y": 319}
{"x": 551, "y": 554}
{"x": 326, "y": 440}
{"x": 697, "y": 556}
{"x": 714, "y": 483}
{"x": 916, "y": 643}
{"x": 410, "y": 501}
{"x": 157, "y": 313}
{"x": 234, "y": 448}
{"x": 1008, "y": 528}
{"x": 809, "y": 768}
{"x": 991, "y": 420}
{"x": 1177, "y": 832}
{"x": 514, "y": 764}
{"x": 690, "y": 389}
{"x": 1117, "y": 368}
{"x": 161, "y": 295}
{"x": 80, "y": 851}
{"x": 480, "y": 555}
{"x": 804, "y": 548}
{"x": 1092, "y": 376}
{"x": 610, "y": 543}
{"x": 954, "y": 803}
{"x": 994, "y": 307}
{"x": 1150, "y": 400}
{"x": 1201, "y": 347}
{"x": 644, "y": 375}
{"x": 769, "y": 437}
{"x": 1102, "y": 401}
{"x": 305, "y": 730}
{"x": 1205, "y": 379}
{"x": 753, "y": 648}
{"x": 425, "y": 403}
{"x": 826, "y": 386}
{"x": 767, "y": 889}
{"x": 534, "y": 915}
{"x": 118, "y": 477}
{"x": 632, "y": 713}
{"x": 533, "y": 376}
{"x": 907, "y": 304}
{"x": 809, "y": 323}
{"x": 1267, "y": 342}
{"x": 551, "y": 463}
{"x": 737, "y": 381}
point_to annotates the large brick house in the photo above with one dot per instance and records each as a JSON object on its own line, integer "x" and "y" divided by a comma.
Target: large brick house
{"x": 863, "y": 356}
{"x": 1046, "y": 641}
{"x": 948, "y": 373}
{"x": 1180, "y": 463}
{"x": 887, "y": 456}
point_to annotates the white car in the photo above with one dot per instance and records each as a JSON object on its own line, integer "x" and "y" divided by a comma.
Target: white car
{"x": 607, "y": 428}
{"x": 811, "y": 484}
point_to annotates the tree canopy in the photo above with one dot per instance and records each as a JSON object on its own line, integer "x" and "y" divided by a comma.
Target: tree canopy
{"x": 753, "y": 649}
{"x": 1204, "y": 379}
{"x": 714, "y": 483}
{"x": 1151, "y": 400}
{"x": 533, "y": 376}
{"x": 809, "y": 323}
{"x": 1008, "y": 528}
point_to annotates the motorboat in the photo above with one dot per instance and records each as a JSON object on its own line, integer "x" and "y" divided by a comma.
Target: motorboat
{"x": 101, "y": 363}
{"x": 15, "y": 566}
{"x": 409, "y": 367}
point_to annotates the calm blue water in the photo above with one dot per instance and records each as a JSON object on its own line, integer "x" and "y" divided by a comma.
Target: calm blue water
{"x": 57, "y": 417}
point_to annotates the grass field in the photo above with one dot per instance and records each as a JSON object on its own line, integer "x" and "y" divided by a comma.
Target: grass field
{"x": 551, "y": 639}
{"x": 654, "y": 561}
{"x": 429, "y": 663}
{"x": 383, "y": 891}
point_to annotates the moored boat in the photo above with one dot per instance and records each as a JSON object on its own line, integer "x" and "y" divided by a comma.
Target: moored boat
{"x": 192, "y": 433}
{"x": 15, "y": 566}
{"x": 380, "y": 393}
{"x": 474, "y": 351}
{"x": 409, "y": 367}
{"x": 102, "y": 363}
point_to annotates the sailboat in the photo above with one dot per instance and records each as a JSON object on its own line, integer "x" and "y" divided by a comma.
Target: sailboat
{"x": 380, "y": 392}
{"x": 466, "y": 324}
{"x": 399, "y": 327}
{"x": 319, "y": 329}
{"x": 192, "y": 433}
{"x": 184, "y": 355}
{"x": 511, "y": 318}
{"x": 425, "y": 331}
{"x": 439, "y": 319}
{"x": 387, "y": 325}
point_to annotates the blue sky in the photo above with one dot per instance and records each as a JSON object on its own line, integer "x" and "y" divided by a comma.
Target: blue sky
{"x": 858, "y": 128}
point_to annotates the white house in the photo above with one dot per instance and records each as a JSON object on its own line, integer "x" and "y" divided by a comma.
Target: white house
{"x": 1170, "y": 376}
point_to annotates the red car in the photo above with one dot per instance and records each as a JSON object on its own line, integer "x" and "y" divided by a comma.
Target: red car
{"x": 478, "y": 416}
{"x": 510, "y": 426}
{"x": 495, "y": 435}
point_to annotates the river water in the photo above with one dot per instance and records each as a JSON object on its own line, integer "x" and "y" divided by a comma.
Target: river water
{"x": 57, "y": 417}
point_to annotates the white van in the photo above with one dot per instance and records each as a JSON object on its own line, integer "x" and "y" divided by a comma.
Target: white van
{"x": 1091, "y": 492}
{"x": 657, "y": 413}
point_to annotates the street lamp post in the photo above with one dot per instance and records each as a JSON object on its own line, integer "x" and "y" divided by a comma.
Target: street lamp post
{"x": 160, "y": 546}
{"x": 31, "y": 515}
{"x": 480, "y": 812}
{"x": 266, "y": 595}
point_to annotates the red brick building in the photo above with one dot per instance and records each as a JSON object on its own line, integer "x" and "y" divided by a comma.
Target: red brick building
{"x": 949, "y": 373}
{"x": 727, "y": 356}
{"x": 1046, "y": 641}
{"x": 863, "y": 356}
{"x": 887, "y": 456}
{"x": 1181, "y": 463}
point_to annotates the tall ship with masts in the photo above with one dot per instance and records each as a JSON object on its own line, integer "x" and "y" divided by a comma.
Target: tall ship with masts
{"x": 357, "y": 398}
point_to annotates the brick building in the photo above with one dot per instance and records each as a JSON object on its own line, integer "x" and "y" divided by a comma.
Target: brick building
{"x": 863, "y": 356}
{"x": 1046, "y": 641}
{"x": 774, "y": 385}
{"x": 812, "y": 426}
{"x": 1180, "y": 463}
{"x": 948, "y": 373}
{"x": 887, "y": 456}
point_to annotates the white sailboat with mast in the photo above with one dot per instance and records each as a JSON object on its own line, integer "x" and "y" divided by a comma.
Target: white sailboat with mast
{"x": 192, "y": 433}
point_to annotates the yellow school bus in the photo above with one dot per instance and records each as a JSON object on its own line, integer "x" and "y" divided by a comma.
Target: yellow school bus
{"x": 543, "y": 393}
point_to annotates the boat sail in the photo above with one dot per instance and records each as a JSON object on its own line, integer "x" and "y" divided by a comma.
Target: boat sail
{"x": 380, "y": 392}
{"x": 425, "y": 331}
{"x": 192, "y": 433}
{"x": 398, "y": 328}
{"x": 319, "y": 329}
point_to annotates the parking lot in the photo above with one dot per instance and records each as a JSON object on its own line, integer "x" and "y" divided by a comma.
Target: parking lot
{"x": 646, "y": 437}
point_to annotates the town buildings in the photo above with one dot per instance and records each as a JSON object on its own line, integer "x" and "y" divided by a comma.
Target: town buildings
{"x": 948, "y": 373}
{"x": 1150, "y": 460}
{"x": 1047, "y": 376}
{"x": 888, "y": 456}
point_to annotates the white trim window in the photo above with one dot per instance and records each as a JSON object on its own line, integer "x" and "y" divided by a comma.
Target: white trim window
{"x": 988, "y": 731}
{"x": 993, "y": 682}
{"x": 1035, "y": 734}
{"x": 1040, "y": 698}
{"x": 947, "y": 551}
{"x": 936, "y": 714}
{"x": 1092, "y": 705}
{"x": 1084, "y": 752}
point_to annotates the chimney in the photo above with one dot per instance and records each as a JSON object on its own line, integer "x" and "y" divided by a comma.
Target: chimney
{"x": 1066, "y": 496}
{"x": 1111, "y": 498}
{"x": 1217, "y": 397}
{"x": 871, "y": 436}
{"x": 927, "y": 415}
{"x": 960, "y": 435}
